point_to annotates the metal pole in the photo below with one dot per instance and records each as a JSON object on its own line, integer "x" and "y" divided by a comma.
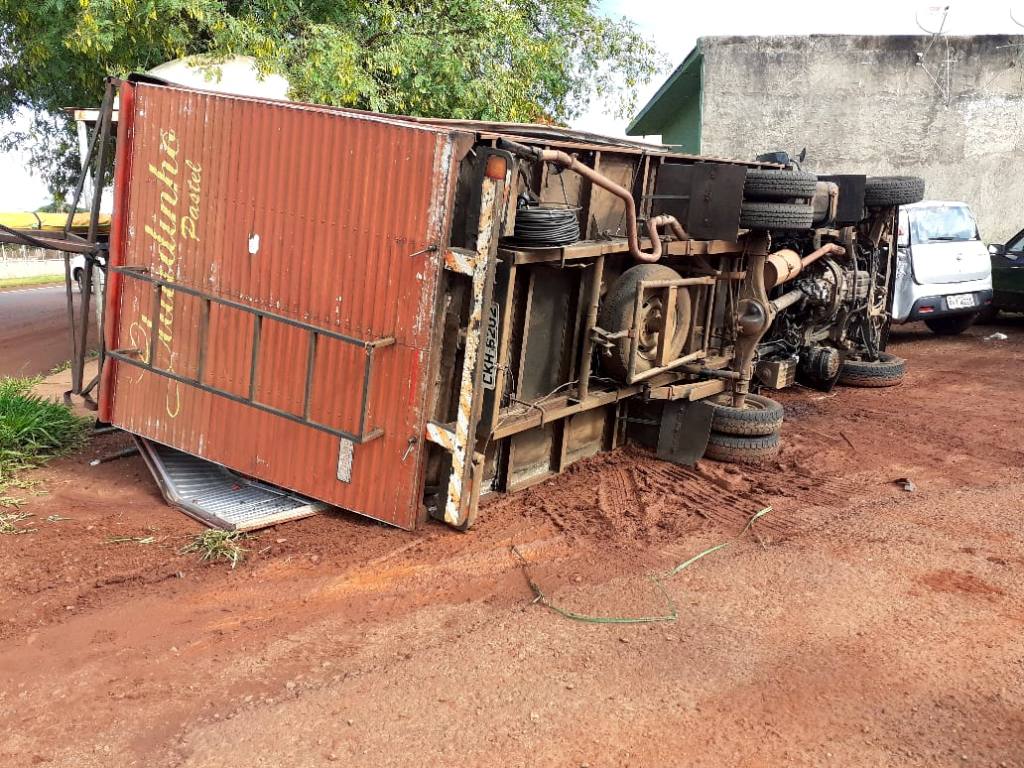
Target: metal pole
{"x": 101, "y": 160}
{"x": 594, "y": 299}
{"x": 75, "y": 375}
{"x": 97, "y": 187}
{"x": 105, "y": 107}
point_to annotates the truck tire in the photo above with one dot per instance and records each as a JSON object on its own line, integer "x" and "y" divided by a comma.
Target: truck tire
{"x": 887, "y": 371}
{"x": 757, "y": 215}
{"x": 951, "y": 325}
{"x": 617, "y": 315}
{"x": 760, "y": 416}
{"x": 774, "y": 184}
{"x": 742, "y": 450}
{"x": 888, "y": 191}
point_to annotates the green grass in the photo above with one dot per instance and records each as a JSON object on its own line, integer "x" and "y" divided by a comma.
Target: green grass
{"x": 127, "y": 539}
{"x": 92, "y": 354}
{"x": 34, "y": 430}
{"x": 217, "y": 545}
{"x": 21, "y": 282}
{"x": 9, "y": 523}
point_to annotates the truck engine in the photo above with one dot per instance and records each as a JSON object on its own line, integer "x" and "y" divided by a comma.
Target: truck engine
{"x": 830, "y": 287}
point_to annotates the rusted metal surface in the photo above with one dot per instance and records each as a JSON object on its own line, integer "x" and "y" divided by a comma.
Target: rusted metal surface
{"x": 262, "y": 254}
{"x": 467, "y": 465}
{"x": 565, "y": 160}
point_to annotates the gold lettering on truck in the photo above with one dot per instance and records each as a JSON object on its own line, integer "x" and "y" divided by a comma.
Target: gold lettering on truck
{"x": 165, "y": 230}
{"x": 190, "y": 223}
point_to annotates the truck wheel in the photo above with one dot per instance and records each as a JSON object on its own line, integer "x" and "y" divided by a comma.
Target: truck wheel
{"x": 773, "y": 184}
{"x": 951, "y": 325}
{"x": 617, "y": 315}
{"x": 888, "y": 191}
{"x": 79, "y": 278}
{"x": 759, "y": 416}
{"x": 776, "y": 216}
{"x": 742, "y": 450}
{"x": 887, "y": 371}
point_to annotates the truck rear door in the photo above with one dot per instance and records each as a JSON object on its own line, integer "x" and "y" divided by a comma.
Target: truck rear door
{"x": 273, "y": 287}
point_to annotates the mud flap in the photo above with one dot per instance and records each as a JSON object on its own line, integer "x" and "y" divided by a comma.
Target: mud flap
{"x": 685, "y": 428}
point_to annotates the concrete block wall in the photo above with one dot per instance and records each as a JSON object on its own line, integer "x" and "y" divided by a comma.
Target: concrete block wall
{"x": 17, "y": 268}
{"x": 949, "y": 109}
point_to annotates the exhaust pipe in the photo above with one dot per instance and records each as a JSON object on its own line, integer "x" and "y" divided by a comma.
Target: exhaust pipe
{"x": 782, "y": 266}
{"x": 565, "y": 160}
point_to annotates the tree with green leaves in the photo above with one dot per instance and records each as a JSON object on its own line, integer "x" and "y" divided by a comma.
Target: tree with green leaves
{"x": 514, "y": 60}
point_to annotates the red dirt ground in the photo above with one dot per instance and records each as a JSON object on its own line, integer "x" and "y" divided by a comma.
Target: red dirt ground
{"x": 859, "y": 624}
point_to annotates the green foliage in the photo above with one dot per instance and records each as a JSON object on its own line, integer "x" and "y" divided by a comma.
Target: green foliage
{"x": 54, "y": 206}
{"x": 214, "y": 545}
{"x": 12, "y": 282}
{"x": 33, "y": 429}
{"x": 9, "y": 523}
{"x": 518, "y": 60}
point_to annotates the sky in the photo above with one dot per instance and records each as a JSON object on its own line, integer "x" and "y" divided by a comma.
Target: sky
{"x": 674, "y": 26}
{"x": 20, "y": 190}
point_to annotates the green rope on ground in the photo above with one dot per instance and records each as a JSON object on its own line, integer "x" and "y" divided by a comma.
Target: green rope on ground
{"x": 695, "y": 558}
{"x": 541, "y": 598}
{"x": 672, "y": 612}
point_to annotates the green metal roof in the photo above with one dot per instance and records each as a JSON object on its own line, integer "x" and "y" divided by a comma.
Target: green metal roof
{"x": 683, "y": 82}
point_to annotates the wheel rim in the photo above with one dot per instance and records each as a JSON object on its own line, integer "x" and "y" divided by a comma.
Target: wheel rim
{"x": 651, "y": 319}
{"x": 650, "y": 328}
{"x": 748, "y": 403}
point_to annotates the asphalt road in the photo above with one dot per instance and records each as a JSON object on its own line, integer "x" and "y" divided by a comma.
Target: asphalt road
{"x": 34, "y": 330}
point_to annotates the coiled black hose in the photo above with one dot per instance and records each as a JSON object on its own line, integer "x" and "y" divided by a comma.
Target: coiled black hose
{"x": 541, "y": 226}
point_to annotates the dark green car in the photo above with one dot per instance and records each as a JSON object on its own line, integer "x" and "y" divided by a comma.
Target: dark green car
{"x": 1008, "y": 274}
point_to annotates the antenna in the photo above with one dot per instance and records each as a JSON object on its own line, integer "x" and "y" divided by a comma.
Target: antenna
{"x": 944, "y": 88}
{"x": 944, "y": 9}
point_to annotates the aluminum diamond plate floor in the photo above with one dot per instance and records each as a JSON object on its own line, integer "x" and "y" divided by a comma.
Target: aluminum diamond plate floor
{"x": 219, "y": 497}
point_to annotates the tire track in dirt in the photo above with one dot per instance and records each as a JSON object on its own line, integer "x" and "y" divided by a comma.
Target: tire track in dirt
{"x": 800, "y": 505}
{"x": 633, "y": 498}
{"x": 705, "y": 497}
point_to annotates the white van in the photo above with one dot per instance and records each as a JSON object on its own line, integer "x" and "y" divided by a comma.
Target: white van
{"x": 943, "y": 272}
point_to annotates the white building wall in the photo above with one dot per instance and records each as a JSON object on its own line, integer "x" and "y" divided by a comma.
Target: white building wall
{"x": 948, "y": 109}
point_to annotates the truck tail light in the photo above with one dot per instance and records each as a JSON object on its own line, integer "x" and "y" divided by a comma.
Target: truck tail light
{"x": 496, "y": 168}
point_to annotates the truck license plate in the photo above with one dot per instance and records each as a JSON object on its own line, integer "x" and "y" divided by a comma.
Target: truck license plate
{"x": 960, "y": 301}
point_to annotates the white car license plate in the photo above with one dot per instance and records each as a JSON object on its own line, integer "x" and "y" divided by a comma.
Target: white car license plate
{"x": 960, "y": 301}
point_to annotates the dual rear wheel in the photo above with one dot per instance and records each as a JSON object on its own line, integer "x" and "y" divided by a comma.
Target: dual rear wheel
{"x": 750, "y": 435}
{"x": 776, "y": 199}
{"x": 746, "y": 435}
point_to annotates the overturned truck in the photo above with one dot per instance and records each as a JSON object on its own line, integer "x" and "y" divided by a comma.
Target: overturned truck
{"x": 399, "y": 316}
